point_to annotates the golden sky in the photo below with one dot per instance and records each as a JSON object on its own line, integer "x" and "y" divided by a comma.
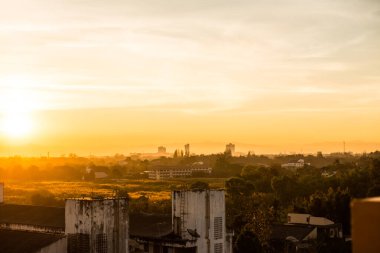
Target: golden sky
{"x": 99, "y": 77}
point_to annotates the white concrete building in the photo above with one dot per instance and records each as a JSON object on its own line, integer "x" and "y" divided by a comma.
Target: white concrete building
{"x": 198, "y": 225}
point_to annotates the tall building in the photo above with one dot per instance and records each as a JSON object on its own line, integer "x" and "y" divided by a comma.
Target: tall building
{"x": 161, "y": 150}
{"x": 230, "y": 148}
{"x": 187, "y": 150}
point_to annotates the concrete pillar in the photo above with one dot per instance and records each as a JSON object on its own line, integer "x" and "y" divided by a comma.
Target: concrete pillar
{"x": 365, "y": 222}
{"x": 97, "y": 225}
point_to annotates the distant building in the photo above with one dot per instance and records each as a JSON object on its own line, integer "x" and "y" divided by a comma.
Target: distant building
{"x": 161, "y": 152}
{"x": 187, "y": 150}
{"x": 295, "y": 165}
{"x": 95, "y": 173}
{"x": 161, "y": 149}
{"x": 167, "y": 172}
{"x": 100, "y": 175}
{"x": 230, "y": 148}
{"x": 328, "y": 173}
{"x": 1, "y": 193}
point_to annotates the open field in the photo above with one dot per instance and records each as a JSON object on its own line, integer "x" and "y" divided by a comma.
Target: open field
{"x": 20, "y": 192}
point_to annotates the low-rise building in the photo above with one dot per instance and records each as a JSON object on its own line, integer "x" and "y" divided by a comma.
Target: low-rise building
{"x": 295, "y": 165}
{"x": 167, "y": 172}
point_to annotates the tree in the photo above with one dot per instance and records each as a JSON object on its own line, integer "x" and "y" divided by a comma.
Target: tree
{"x": 285, "y": 188}
{"x": 247, "y": 242}
{"x": 199, "y": 185}
{"x": 374, "y": 191}
{"x": 238, "y": 187}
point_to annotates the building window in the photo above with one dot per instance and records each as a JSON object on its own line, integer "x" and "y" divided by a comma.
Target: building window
{"x": 218, "y": 228}
{"x": 218, "y": 248}
{"x": 101, "y": 243}
{"x": 78, "y": 243}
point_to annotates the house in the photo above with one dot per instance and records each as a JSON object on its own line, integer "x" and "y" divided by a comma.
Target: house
{"x": 96, "y": 172}
{"x": 305, "y": 233}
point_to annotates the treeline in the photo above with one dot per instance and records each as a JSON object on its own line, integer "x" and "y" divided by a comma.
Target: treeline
{"x": 73, "y": 167}
{"x": 261, "y": 196}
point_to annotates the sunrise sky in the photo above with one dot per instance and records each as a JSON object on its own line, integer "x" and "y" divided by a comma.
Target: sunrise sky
{"x": 100, "y": 77}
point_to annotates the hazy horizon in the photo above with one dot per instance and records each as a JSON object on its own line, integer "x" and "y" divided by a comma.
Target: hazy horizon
{"x": 124, "y": 76}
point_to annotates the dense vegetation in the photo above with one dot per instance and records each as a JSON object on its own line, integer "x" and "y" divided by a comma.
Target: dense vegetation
{"x": 259, "y": 191}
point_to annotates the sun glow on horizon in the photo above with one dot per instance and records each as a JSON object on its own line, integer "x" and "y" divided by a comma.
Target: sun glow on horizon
{"x": 17, "y": 105}
{"x": 17, "y": 126}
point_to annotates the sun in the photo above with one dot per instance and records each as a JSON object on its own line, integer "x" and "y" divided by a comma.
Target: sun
{"x": 18, "y": 125}
{"x": 17, "y": 104}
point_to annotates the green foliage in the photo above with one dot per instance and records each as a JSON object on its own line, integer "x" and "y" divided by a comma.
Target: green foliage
{"x": 199, "y": 185}
{"x": 285, "y": 188}
{"x": 239, "y": 187}
{"x": 333, "y": 204}
{"x": 224, "y": 168}
{"x": 260, "y": 177}
{"x": 45, "y": 198}
{"x": 374, "y": 191}
{"x": 247, "y": 242}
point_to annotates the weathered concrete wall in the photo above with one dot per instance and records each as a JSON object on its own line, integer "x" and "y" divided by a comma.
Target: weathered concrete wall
{"x": 203, "y": 211}
{"x": 31, "y": 228}
{"x": 105, "y": 218}
{"x": 59, "y": 246}
{"x": 1, "y": 193}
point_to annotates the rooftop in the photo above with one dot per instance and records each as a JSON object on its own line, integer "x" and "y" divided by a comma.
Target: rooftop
{"x": 283, "y": 231}
{"x": 33, "y": 215}
{"x": 25, "y": 242}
